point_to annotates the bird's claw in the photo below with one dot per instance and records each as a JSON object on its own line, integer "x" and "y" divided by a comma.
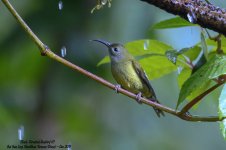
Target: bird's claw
{"x": 138, "y": 98}
{"x": 117, "y": 87}
{"x": 188, "y": 113}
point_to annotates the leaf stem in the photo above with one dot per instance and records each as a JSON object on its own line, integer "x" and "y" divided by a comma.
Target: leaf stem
{"x": 216, "y": 39}
{"x": 45, "y": 51}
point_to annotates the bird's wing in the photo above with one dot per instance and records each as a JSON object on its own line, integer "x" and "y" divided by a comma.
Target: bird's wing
{"x": 140, "y": 72}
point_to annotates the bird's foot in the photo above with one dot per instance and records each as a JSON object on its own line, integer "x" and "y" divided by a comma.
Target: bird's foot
{"x": 117, "y": 87}
{"x": 138, "y": 98}
{"x": 188, "y": 113}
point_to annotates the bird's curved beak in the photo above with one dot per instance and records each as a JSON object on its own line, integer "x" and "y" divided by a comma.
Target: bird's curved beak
{"x": 103, "y": 42}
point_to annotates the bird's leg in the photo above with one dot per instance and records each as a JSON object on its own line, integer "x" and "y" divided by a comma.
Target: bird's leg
{"x": 117, "y": 86}
{"x": 138, "y": 98}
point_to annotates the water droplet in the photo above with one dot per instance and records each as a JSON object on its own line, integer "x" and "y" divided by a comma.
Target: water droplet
{"x": 104, "y": 2}
{"x": 63, "y": 51}
{"x": 172, "y": 56}
{"x": 60, "y": 5}
{"x": 146, "y": 45}
{"x": 21, "y": 133}
{"x": 191, "y": 17}
{"x": 179, "y": 69}
{"x": 173, "y": 59}
{"x": 109, "y": 4}
{"x": 69, "y": 147}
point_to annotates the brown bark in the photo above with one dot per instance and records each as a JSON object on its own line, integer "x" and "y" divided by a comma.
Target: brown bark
{"x": 207, "y": 15}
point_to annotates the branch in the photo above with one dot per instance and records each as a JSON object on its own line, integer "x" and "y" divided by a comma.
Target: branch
{"x": 207, "y": 15}
{"x": 45, "y": 51}
{"x": 187, "y": 107}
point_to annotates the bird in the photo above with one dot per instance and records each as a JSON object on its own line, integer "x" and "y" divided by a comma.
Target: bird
{"x": 129, "y": 74}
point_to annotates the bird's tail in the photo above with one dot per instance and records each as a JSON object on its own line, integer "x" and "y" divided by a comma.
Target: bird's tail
{"x": 157, "y": 111}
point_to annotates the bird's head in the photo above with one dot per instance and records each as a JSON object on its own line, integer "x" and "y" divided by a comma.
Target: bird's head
{"x": 117, "y": 52}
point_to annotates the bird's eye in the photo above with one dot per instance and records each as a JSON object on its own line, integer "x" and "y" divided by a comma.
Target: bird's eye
{"x": 115, "y": 49}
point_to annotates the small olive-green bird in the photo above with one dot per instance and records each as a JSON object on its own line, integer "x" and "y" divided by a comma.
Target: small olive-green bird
{"x": 128, "y": 72}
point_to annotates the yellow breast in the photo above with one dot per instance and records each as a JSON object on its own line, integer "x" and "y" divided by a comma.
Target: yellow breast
{"x": 125, "y": 74}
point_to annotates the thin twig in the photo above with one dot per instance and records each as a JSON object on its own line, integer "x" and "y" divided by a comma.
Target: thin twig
{"x": 218, "y": 40}
{"x": 47, "y": 52}
{"x": 187, "y": 107}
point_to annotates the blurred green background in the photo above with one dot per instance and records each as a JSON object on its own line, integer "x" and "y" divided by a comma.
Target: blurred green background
{"x": 53, "y": 102}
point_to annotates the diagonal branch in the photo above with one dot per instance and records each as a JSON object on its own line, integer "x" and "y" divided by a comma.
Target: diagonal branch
{"x": 197, "y": 99}
{"x": 47, "y": 52}
{"x": 37, "y": 41}
{"x": 206, "y": 15}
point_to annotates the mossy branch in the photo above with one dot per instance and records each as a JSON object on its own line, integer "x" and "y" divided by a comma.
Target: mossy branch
{"x": 45, "y": 51}
{"x": 206, "y": 14}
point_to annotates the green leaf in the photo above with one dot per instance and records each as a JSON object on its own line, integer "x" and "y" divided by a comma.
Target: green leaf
{"x": 172, "y": 23}
{"x": 191, "y": 52}
{"x": 199, "y": 81}
{"x": 222, "y": 110}
{"x": 157, "y": 66}
{"x": 147, "y": 46}
{"x": 199, "y": 63}
{"x": 218, "y": 68}
{"x": 183, "y": 55}
{"x": 183, "y": 76}
{"x": 152, "y": 57}
{"x": 105, "y": 60}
